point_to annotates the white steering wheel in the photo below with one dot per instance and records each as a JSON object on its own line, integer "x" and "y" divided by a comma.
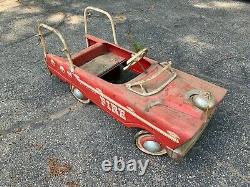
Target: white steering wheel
{"x": 135, "y": 58}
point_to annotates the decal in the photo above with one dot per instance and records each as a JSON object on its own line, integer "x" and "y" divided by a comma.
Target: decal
{"x": 131, "y": 109}
{"x": 52, "y": 62}
{"x": 69, "y": 73}
{"x": 113, "y": 108}
{"x": 173, "y": 136}
{"x": 169, "y": 134}
{"x": 62, "y": 69}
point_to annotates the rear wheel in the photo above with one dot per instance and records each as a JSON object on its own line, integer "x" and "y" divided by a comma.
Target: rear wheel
{"x": 147, "y": 143}
{"x": 79, "y": 95}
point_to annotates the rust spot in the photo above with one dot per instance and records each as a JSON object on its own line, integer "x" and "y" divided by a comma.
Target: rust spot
{"x": 72, "y": 184}
{"x": 38, "y": 146}
{"x": 56, "y": 168}
{"x": 17, "y": 130}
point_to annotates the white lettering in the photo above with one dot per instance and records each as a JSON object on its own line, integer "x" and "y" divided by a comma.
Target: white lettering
{"x": 143, "y": 168}
{"x": 108, "y": 104}
{"x": 131, "y": 165}
{"x": 102, "y": 101}
{"x": 118, "y": 162}
{"x": 113, "y": 108}
{"x": 122, "y": 113}
{"x": 120, "y": 165}
{"x": 106, "y": 165}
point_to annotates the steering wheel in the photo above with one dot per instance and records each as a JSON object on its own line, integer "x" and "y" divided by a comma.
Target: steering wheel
{"x": 135, "y": 58}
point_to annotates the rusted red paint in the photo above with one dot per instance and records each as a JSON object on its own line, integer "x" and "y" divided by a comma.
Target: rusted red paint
{"x": 174, "y": 117}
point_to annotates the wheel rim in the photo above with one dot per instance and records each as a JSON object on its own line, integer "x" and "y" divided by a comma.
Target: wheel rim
{"x": 148, "y": 144}
{"x": 141, "y": 133}
{"x": 79, "y": 95}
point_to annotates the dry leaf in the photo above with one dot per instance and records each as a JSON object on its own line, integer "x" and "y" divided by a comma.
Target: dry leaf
{"x": 58, "y": 169}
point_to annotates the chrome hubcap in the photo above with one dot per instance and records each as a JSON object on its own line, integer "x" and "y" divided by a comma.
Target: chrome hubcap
{"x": 152, "y": 146}
{"x": 147, "y": 143}
{"x": 79, "y": 95}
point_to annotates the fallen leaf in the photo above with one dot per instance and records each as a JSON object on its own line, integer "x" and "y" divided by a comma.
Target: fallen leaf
{"x": 38, "y": 146}
{"x": 72, "y": 184}
{"x": 119, "y": 19}
{"x": 58, "y": 169}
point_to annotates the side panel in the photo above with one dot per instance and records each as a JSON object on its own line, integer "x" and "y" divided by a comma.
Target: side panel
{"x": 88, "y": 54}
{"x": 109, "y": 103}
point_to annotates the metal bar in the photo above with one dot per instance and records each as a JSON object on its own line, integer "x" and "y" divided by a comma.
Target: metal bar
{"x": 45, "y": 48}
{"x": 103, "y": 12}
{"x": 140, "y": 83}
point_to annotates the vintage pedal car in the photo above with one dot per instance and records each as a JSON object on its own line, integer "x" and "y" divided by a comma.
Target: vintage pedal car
{"x": 171, "y": 107}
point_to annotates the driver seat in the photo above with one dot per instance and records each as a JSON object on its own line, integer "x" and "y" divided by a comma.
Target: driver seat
{"x": 97, "y": 60}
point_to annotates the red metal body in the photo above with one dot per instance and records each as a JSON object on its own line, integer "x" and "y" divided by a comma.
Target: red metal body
{"x": 175, "y": 122}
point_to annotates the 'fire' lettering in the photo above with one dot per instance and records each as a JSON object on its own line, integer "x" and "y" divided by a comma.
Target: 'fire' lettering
{"x": 113, "y": 108}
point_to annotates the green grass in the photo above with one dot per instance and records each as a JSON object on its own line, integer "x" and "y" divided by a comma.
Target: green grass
{"x": 137, "y": 46}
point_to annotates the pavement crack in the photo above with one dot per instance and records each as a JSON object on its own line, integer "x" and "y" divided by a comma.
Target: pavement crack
{"x": 21, "y": 125}
{"x": 64, "y": 111}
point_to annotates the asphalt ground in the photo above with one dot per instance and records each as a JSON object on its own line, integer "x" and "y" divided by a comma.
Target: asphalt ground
{"x": 41, "y": 123}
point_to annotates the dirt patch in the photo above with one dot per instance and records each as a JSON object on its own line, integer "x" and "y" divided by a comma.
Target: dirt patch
{"x": 38, "y": 146}
{"x": 8, "y": 4}
{"x": 75, "y": 19}
{"x": 119, "y": 18}
{"x": 57, "y": 17}
{"x": 196, "y": 42}
{"x": 72, "y": 184}
{"x": 56, "y": 168}
{"x": 220, "y": 5}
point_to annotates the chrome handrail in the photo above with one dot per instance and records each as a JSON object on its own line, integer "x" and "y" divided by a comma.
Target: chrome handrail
{"x": 45, "y": 48}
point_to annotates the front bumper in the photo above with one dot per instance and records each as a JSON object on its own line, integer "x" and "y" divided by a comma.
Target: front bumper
{"x": 183, "y": 150}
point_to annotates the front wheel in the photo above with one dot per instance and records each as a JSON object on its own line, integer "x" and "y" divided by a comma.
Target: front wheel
{"x": 147, "y": 143}
{"x": 79, "y": 95}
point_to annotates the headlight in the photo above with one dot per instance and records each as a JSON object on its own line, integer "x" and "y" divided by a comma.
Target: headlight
{"x": 201, "y": 99}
